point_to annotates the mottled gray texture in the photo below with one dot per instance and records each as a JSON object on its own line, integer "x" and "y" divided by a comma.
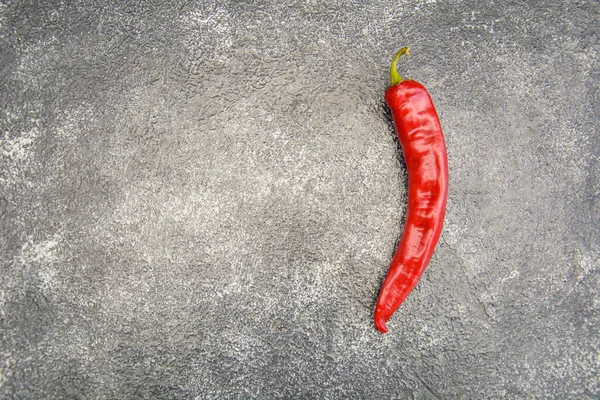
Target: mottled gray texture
{"x": 201, "y": 200}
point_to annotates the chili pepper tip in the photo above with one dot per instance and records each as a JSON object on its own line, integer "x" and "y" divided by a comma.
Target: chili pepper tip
{"x": 380, "y": 325}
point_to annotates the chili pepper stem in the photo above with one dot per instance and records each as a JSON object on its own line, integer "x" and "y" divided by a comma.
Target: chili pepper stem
{"x": 394, "y": 75}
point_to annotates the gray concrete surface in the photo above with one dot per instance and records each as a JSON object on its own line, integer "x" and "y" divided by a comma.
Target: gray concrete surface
{"x": 200, "y": 200}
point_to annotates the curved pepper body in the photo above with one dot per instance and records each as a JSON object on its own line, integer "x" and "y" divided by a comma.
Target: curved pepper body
{"x": 424, "y": 150}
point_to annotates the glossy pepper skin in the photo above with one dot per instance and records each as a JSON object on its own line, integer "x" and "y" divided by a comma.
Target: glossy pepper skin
{"x": 420, "y": 135}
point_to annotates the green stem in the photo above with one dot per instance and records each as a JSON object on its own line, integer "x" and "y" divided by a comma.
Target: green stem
{"x": 394, "y": 75}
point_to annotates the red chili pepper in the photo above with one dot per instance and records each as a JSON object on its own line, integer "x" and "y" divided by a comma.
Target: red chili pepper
{"x": 422, "y": 142}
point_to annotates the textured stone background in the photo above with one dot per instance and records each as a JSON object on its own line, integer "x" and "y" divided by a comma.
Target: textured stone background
{"x": 201, "y": 200}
